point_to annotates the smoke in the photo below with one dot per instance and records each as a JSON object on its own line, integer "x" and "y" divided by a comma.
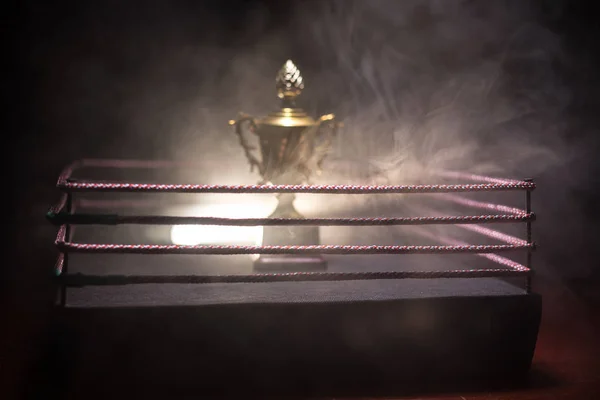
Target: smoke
{"x": 443, "y": 85}
{"x": 439, "y": 85}
{"x": 420, "y": 85}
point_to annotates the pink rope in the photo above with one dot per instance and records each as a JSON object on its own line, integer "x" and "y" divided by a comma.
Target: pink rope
{"x": 60, "y": 261}
{"x": 493, "y": 184}
{"x": 505, "y": 261}
{"x": 490, "y": 256}
{"x": 315, "y": 249}
{"x": 329, "y": 189}
{"x": 494, "y": 234}
{"x": 136, "y": 164}
{"x": 487, "y": 251}
{"x": 359, "y": 221}
{"x": 107, "y": 204}
{"x": 60, "y": 206}
{"x": 475, "y": 178}
{"x": 81, "y": 280}
{"x": 64, "y": 246}
{"x": 481, "y": 204}
{"x": 67, "y": 172}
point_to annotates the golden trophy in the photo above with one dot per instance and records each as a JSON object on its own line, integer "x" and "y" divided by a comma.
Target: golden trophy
{"x": 292, "y": 146}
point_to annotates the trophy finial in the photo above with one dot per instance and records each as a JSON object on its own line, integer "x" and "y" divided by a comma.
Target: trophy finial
{"x": 289, "y": 82}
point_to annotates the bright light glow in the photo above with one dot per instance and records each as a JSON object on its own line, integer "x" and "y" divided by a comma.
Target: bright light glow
{"x": 216, "y": 234}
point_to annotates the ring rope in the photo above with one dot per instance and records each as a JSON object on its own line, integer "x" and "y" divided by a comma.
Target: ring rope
{"x": 99, "y": 280}
{"x": 59, "y": 218}
{"x": 69, "y": 186}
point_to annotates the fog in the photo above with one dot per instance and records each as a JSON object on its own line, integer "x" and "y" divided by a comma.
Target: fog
{"x": 476, "y": 86}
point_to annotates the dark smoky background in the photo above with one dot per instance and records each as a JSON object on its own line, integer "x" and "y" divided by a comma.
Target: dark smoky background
{"x": 506, "y": 88}
{"x": 495, "y": 87}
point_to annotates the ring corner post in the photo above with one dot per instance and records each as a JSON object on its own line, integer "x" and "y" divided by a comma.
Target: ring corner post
{"x": 65, "y": 265}
{"x": 529, "y": 237}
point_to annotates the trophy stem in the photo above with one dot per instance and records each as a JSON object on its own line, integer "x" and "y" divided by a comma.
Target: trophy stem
{"x": 289, "y": 236}
{"x": 285, "y": 207}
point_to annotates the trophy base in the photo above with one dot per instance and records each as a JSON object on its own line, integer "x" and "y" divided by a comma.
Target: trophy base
{"x": 285, "y": 263}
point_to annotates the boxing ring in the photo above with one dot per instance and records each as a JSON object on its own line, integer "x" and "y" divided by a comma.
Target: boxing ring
{"x": 372, "y": 326}
{"x": 65, "y": 216}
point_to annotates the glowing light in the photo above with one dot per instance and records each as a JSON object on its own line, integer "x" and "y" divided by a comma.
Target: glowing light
{"x": 217, "y": 234}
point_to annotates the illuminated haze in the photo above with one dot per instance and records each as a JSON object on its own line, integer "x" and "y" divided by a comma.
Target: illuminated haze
{"x": 420, "y": 85}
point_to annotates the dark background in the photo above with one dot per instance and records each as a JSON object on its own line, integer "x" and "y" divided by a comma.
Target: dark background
{"x": 121, "y": 79}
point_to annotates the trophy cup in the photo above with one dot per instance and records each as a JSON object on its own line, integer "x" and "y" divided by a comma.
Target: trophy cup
{"x": 292, "y": 146}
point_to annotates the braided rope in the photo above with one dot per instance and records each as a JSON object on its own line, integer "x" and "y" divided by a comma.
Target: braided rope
{"x": 356, "y": 221}
{"x": 136, "y": 164}
{"x": 507, "y": 262}
{"x": 487, "y": 251}
{"x": 482, "y": 204}
{"x": 120, "y": 203}
{"x": 494, "y": 234}
{"x": 493, "y": 184}
{"x": 110, "y": 219}
{"x": 63, "y": 245}
{"x": 315, "y": 249}
{"x": 474, "y": 177}
{"x": 58, "y": 266}
{"x": 66, "y": 173}
{"x": 490, "y": 256}
{"x": 328, "y": 189}
{"x": 60, "y": 206}
{"x": 99, "y": 280}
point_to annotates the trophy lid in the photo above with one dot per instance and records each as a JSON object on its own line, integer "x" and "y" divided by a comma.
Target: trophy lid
{"x": 289, "y": 84}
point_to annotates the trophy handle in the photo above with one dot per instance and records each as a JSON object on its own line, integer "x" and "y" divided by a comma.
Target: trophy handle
{"x": 323, "y": 148}
{"x": 237, "y": 124}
